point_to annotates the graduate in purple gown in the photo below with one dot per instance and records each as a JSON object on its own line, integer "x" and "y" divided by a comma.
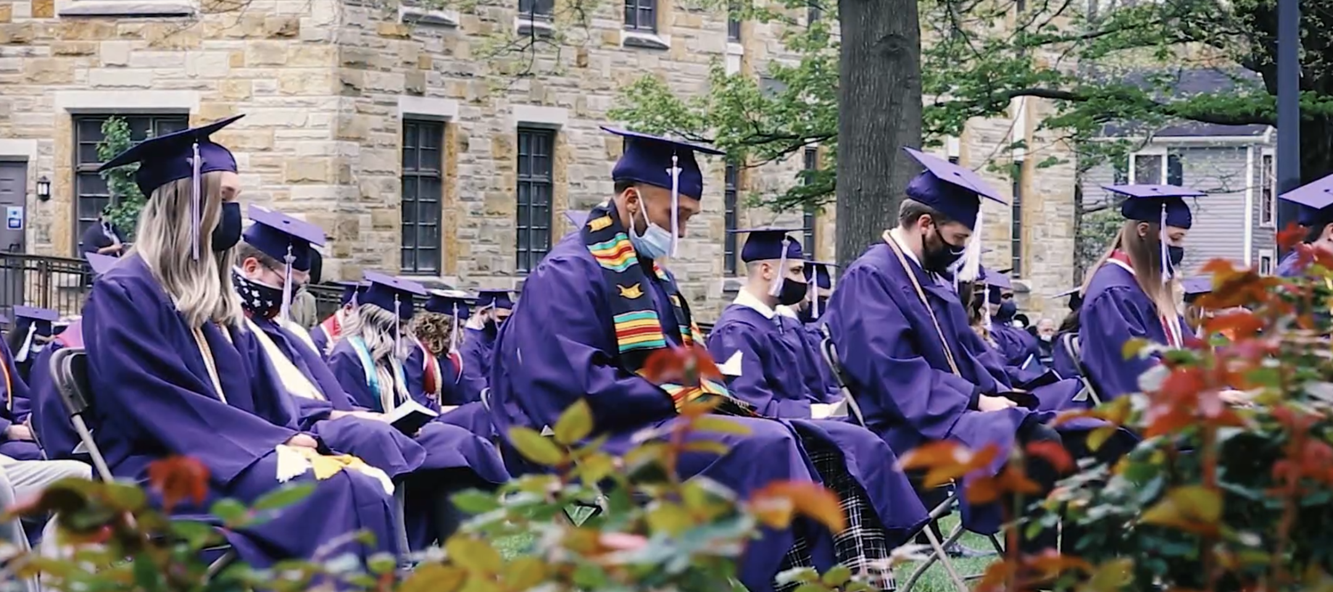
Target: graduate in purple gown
{"x": 327, "y": 332}
{"x": 16, "y": 429}
{"x": 478, "y": 343}
{"x": 1130, "y": 294}
{"x": 177, "y": 372}
{"x": 32, "y": 330}
{"x": 379, "y": 365}
{"x": 769, "y": 361}
{"x": 446, "y": 313}
{"x": 599, "y": 305}
{"x": 919, "y": 371}
{"x": 1063, "y": 360}
{"x": 1315, "y": 216}
{"x": 1018, "y": 347}
{"x": 819, "y": 276}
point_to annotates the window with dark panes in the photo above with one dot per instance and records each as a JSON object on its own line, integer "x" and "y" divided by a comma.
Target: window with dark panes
{"x": 539, "y": 9}
{"x": 90, "y": 189}
{"x": 1120, "y": 171}
{"x": 536, "y": 168}
{"x": 641, "y": 15}
{"x": 1175, "y": 169}
{"x": 733, "y": 24}
{"x": 811, "y": 214}
{"x": 423, "y": 194}
{"x": 813, "y": 12}
{"x": 1016, "y": 223}
{"x": 1267, "y": 191}
{"x": 729, "y": 199}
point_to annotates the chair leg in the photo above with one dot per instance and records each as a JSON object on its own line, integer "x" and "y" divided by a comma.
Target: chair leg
{"x": 220, "y": 564}
{"x": 400, "y": 524}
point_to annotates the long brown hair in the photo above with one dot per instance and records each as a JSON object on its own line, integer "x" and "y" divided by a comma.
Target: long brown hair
{"x": 1144, "y": 252}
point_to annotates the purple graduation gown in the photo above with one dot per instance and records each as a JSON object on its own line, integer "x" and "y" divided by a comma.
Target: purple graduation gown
{"x": 777, "y": 378}
{"x": 155, "y": 399}
{"x": 1114, "y": 311}
{"x": 898, "y": 368}
{"x": 49, "y": 417}
{"x": 375, "y": 442}
{"x": 541, "y": 367}
{"x": 1062, "y": 361}
{"x": 1287, "y": 267}
{"x": 477, "y": 349}
{"x": 15, "y": 408}
{"x": 320, "y": 338}
{"x": 1019, "y": 348}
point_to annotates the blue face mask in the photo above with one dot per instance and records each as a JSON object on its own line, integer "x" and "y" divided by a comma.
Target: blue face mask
{"x": 655, "y": 242}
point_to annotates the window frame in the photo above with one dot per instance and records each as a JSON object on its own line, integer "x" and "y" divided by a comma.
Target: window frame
{"x": 422, "y": 128}
{"x": 543, "y": 10}
{"x": 528, "y": 255}
{"x": 637, "y": 8}
{"x": 1171, "y": 161}
{"x": 814, "y": 12}
{"x": 82, "y": 169}
{"x": 1268, "y": 189}
{"x": 810, "y": 214}
{"x": 1266, "y": 259}
{"x": 731, "y": 217}
{"x": 1016, "y": 223}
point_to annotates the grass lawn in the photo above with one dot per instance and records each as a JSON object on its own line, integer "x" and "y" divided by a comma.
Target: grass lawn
{"x": 934, "y": 580}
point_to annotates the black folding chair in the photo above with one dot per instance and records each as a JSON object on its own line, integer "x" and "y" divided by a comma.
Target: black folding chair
{"x": 950, "y": 491}
{"x": 1072, "y": 347}
{"x": 69, "y": 366}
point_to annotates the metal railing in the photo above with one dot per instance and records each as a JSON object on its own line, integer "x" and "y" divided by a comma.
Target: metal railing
{"x": 58, "y": 283}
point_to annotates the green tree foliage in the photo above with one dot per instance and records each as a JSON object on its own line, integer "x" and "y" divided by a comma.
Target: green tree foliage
{"x": 126, "y": 199}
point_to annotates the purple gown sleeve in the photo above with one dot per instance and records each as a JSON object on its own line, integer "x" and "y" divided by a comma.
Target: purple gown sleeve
{"x": 144, "y": 386}
{"x": 320, "y": 339}
{"x": 752, "y": 385}
{"x": 565, "y": 346}
{"x": 876, "y": 344}
{"x": 351, "y": 376}
{"x": 1106, "y": 323}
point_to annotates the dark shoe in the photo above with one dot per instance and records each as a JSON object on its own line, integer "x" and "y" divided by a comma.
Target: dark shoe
{"x": 961, "y": 551}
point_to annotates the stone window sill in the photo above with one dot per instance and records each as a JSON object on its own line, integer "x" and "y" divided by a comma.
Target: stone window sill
{"x": 537, "y": 27}
{"x": 644, "y": 39}
{"x": 119, "y": 8}
{"x": 421, "y": 16}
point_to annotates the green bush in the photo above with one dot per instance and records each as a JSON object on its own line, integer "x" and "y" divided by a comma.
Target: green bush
{"x": 126, "y": 199}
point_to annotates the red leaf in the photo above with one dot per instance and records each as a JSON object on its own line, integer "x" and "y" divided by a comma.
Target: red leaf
{"x": 1240, "y": 324}
{"x": 1053, "y": 453}
{"x": 776, "y": 503}
{"x": 945, "y": 461}
{"x": 1291, "y": 236}
{"x": 177, "y": 478}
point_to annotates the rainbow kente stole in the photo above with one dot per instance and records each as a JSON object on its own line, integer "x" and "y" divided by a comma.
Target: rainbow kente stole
{"x": 638, "y": 327}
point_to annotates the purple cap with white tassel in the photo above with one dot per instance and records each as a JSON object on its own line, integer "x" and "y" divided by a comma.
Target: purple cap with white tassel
{"x": 286, "y": 239}
{"x": 1163, "y": 205}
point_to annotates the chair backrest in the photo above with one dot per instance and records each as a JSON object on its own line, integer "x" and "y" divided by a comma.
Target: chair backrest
{"x": 69, "y": 366}
{"x": 486, "y": 399}
{"x": 1072, "y": 347}
{"x": 830, "y": 351}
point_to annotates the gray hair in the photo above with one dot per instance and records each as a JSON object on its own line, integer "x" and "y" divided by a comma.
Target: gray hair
{"x": 201, "y": 289}
{"x": 374, "y": 325}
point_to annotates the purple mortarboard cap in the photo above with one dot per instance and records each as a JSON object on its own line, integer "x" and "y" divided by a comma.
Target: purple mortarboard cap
{"x": 454, "y": 303}
{"x": 665, "y": 163}
{"x": 495, "y": 298}
{"x": 170, "y": 157}
{"x": 1075, "y": 296}
{"x": 100, "y": 263}
{"x": 820, "y": 273}
{"x": 576, "y": 218}
{"x": 36, "y": 314}
{"x": 1156, "y": 203}
{"x": 1069, "y": 292}
{"x": 1316, "y": 201}
{"x": 278, "y": 235}
{"x": 350, "y": 291}
{"x": 1197, "y": 286}
{"x": 999, "y": 280}
{"x": 953, "y": 190}
{"x": 769, "y": 243}
{"x": 385, "y": 291}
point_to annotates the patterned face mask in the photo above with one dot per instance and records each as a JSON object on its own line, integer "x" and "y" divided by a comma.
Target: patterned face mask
{"x": 257, "y": 298}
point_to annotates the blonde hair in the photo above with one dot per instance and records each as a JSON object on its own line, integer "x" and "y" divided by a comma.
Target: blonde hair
{"x": 201, "y": 289}
{"x": 434, "y": 330}
{"x": 374, "y": 325}
{"x": 1145, "y": 257}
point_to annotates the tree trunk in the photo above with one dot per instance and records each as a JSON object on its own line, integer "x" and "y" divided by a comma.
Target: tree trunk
{"x": 879, "y": 112}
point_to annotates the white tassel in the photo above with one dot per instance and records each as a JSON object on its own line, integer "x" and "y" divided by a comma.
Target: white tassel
{"x": 813, "y": 291}
{"x": 1163, "y": 251}
{"x": 972, "y": 254}
{"x": 287, "y": 286}
{"x": 675, "y": 202}
{"x": 775, "y": 287}
{"x": 453, "y": 335}
{"x": 196, "y": 199}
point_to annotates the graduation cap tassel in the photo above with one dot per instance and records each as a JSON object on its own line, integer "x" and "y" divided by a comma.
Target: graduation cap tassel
{"x": 196, "y": 198}
{"x": 972, "y": 254}
{"x": 775, "y": 288}
{"x": 813, "y": 292}
{"x": 453, "y": 335}
{"x": 1162, "y": 250}
{"x": 287, "y": 285}
{"x": 675, "y": 202}
{"x": 397, "y": 334}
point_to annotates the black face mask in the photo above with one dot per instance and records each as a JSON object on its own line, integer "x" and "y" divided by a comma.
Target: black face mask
{"x": 258, "y": 299}
{"x": 1176, "y": 255}
{"x": 792, "y": 292}
{"x": 228, "y": 231}
{"x": 1007, "y": 311}
{"x": 938, "y": 258}
{"x": 807, "y": 314}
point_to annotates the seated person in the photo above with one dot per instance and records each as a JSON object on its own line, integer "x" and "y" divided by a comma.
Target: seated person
{"x": 16, "y": 436}
{"x": 478, "y": 342}
{"x": 179, "y": 373}
{"x": 20, "y": 482}
{"x": 369, "y": 362}
{"x": 919, "y": 372}
{"x": 325, "y": 334}
{"x": 1017, "y": 347}
{"x": 440, "y": 330}
{"x": 771, "y": 363}
{"x": 599, "y": 306}
{"x": 33, "y": 328}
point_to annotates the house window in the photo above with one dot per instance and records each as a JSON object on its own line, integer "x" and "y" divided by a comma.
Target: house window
{"x": 536, "y": 166}
{"x": 641, "y": 15}
{"x": 536, "y": 9}
{"x": 1265, "y": 262}
{"x": 423, "y": 193}
{"x": 811, "y": 215}
{"x": 1267, "y": 191}
{"x": 1120, "y": 171}
{"x": 730, "y": 213}
{"x": 90, "y": 189}
{"x": 813, "y": 12}
{"x": 733, "y": 26}
{"x": 1016, "y": 223}
{"x": 1157, "y": 168}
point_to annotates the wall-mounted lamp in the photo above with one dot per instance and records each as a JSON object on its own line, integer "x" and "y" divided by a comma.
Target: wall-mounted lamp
{"x": 43, "y": 189}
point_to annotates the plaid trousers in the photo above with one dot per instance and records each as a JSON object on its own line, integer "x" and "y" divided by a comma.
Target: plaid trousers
{"x": 864, "y": 543}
